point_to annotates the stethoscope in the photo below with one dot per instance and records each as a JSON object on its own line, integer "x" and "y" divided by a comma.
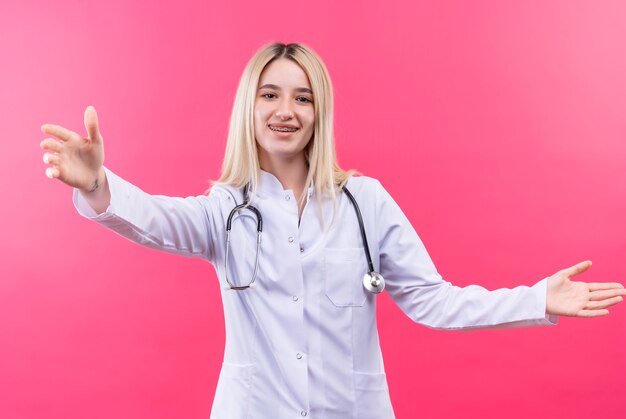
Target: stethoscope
{"x": 372, "y": 280}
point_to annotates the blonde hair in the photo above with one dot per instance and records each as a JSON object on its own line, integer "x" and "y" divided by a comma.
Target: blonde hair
{"x": 241, "y": 161}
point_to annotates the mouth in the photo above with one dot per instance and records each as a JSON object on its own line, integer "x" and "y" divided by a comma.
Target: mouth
{"x": 283, "y": 128}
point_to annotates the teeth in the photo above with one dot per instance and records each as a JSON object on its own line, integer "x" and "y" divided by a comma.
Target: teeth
{"x": 283, "y": 129}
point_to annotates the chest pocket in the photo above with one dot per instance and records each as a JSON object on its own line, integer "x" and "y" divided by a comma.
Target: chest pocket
{"x": 343, "y": 276}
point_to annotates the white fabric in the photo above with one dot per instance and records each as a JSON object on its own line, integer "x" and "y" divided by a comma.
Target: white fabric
{"x": 304, "y": 340}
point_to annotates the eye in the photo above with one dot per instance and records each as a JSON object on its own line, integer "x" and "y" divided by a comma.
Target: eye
{"x": 268, "y": 95}
{"x": 304, "y": 99}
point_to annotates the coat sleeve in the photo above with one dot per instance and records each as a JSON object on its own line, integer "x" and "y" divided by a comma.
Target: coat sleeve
{"x": 183, "y": 226}
{"x": 417, "y": 288}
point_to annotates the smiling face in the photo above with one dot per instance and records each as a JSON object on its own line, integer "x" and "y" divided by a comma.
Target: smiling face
{"x": 284, "y": 116}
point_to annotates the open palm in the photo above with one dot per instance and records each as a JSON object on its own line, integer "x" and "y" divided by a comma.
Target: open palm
{"x": 581, "y": 299}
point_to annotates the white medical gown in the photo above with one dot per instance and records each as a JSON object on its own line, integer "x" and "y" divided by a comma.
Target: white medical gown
{"x": 303, "y": 341}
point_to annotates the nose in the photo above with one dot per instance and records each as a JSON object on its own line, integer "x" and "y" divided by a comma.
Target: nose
{"x": 284, "y": 110}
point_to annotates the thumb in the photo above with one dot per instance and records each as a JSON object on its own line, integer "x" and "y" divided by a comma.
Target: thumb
{"x": 578, "y": 268}
{"x": 91, "y": 124}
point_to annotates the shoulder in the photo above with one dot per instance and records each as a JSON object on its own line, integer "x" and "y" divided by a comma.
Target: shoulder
{"x": 371, "y": 192}
{"x": 222, "y": 198}
{"x": 366, "y": 183}
{"x": 365, "y": 186}
{"x": 222, "y": 192}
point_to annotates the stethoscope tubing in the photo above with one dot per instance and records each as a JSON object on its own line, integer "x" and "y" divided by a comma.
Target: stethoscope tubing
{"x": 370, "y": 264}
{"x": 372, "y": 281}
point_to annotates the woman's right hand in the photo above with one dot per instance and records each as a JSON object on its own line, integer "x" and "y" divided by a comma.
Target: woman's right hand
{"x": 73, "y": 159}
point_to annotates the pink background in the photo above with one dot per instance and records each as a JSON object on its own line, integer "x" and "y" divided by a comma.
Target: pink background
{"x": 498, "y": 126}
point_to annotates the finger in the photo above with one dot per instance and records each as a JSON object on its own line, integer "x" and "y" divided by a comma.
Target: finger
{"x": 61, "y": 133}
{"x": 592, "y": 313}
{"x": 91, "y": 123}
{"x": 596, "y": 286}
{"x": 51, "y": 158}
{"x": 53, "y": 172}
{"x": 50, "y": 144}
{"x": 577, "y": 269}
{"x": 604, "y": 294}
{"x": 595, "y": 305}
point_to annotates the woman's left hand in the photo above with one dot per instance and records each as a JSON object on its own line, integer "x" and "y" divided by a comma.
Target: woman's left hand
{"x": 581, "y": 299}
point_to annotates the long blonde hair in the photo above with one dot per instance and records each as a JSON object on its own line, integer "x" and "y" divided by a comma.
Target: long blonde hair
{"x": 241, "y": 160}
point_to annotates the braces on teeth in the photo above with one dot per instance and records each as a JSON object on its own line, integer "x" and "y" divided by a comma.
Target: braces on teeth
{"x": 283, "y": 129}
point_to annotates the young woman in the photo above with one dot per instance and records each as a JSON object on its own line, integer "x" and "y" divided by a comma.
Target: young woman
{"x": 301, "y": 337}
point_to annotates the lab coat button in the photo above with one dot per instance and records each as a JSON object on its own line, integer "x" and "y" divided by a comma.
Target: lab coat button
{"x": 303, "y": 413}
{"x": 294, "y": 298}
{"x": 299, "y": 356}
{"x": 287, "y": 197}
{"x": 290, "y": 239}
{"x": 302, "y": 250}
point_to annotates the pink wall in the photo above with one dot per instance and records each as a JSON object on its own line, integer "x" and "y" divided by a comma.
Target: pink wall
{"x": 498, "y": 126}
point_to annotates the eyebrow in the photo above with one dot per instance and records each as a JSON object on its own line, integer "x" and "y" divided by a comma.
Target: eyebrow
{"x": 297, "y": 89}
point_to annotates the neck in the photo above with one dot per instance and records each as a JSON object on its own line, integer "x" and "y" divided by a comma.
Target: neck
{"x": 291, "y": 173}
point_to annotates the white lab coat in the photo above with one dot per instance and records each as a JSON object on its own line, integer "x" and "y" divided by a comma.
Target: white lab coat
{"x": 303, "y": 341}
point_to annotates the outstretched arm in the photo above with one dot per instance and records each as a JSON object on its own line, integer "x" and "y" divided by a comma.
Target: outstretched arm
{"x": 417, "y": 288}
{"x": 178, "y": 225}
{"x": 581, "y": 299}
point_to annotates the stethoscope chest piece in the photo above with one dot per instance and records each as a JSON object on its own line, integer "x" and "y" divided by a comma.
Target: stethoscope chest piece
{"x": 374, "y": 282}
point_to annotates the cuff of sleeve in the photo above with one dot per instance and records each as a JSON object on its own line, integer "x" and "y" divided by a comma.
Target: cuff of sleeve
{"x": 540, "y": 289}
{"x": 86, "y": 210}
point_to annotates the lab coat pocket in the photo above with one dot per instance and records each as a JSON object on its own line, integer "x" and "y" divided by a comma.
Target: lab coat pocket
{"x": 372, "y": 396}
{"x": 343, "y": 276}
{"x": 232, "y": 397}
